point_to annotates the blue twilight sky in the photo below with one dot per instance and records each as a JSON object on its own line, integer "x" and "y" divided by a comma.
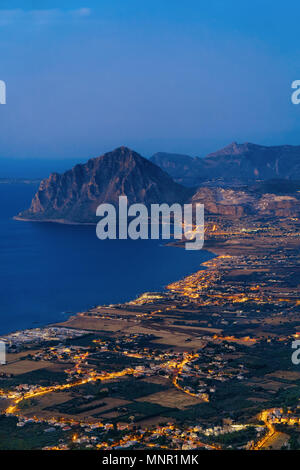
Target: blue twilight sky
{"x": 188, "y": 76}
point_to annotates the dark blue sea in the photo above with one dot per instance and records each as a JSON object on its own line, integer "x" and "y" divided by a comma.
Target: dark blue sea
{"x": 48, "y": 271}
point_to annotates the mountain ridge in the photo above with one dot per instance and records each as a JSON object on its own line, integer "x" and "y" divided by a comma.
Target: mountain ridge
{"x": 73, "y": 196}
{"x": 244, "y": 162}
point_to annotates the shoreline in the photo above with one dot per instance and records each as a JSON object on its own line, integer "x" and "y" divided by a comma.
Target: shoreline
{"x": 75, "y": 314}
{"x": 207, "y": 328}
{"x": 219, "y": 248}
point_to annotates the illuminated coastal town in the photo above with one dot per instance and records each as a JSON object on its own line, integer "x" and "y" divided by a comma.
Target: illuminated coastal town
{"x": 206, "y": 363}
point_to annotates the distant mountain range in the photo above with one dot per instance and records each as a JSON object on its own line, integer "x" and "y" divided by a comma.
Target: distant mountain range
{"x": 72, "y": 197}
{"x": 241, "y": 162}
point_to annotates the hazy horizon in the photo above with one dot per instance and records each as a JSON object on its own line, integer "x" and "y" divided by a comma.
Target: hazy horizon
{"x": 36, "y": 168}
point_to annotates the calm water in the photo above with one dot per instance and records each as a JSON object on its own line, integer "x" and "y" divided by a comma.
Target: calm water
{"x": 47, "y": 269}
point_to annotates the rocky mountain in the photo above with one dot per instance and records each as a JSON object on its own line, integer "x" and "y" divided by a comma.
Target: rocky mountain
{"x": 183, "y": 168}
{"x": 257, "y": 162}
{"x": 74, "y": 195}
{"x": 241, "y": 162}
{"x": 253, "y": 200}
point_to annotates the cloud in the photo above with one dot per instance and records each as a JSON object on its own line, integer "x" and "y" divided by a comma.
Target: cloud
{"x": 83, "y": 11}
{"x": 9, "y": 17}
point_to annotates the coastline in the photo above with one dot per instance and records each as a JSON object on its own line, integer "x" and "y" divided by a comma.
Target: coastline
{"x": 221, "y": 248}
{"x": 78, "y": 313}
{"x": 217, "y": 318}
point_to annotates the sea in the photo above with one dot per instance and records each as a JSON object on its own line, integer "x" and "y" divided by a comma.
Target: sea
{"x": 49, "y": 271}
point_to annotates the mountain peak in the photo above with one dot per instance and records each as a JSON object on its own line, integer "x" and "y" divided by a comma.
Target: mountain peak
{"x": 74, "y": 195}
{"x": 122, "y": 150}
{"x": 235, "y": 162}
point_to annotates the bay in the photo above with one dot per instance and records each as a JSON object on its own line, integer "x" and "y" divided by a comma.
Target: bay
{"x": 48, "y": 271}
